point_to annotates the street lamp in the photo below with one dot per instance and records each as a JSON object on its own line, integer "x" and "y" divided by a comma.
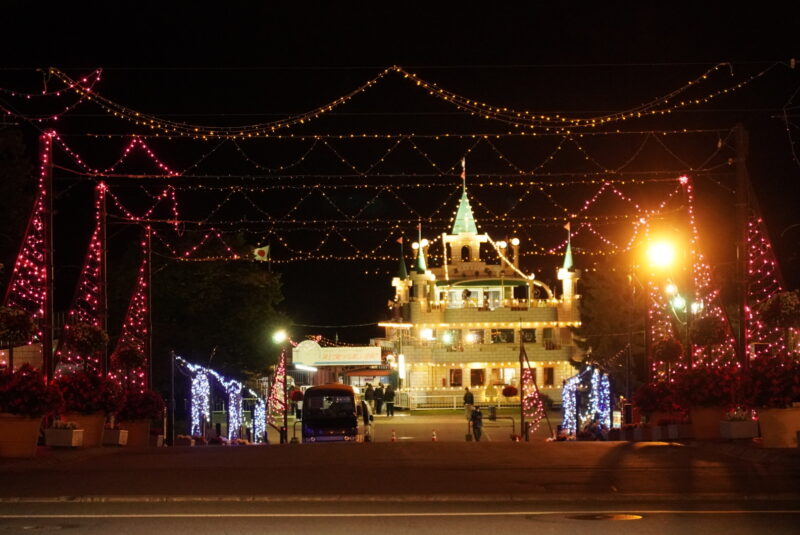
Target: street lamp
{"x": 661, "y": 254}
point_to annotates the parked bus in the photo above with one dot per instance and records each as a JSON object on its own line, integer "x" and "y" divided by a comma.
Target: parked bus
{"x": 330, "y": 414}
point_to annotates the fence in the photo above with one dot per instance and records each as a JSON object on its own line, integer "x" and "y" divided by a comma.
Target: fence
{"x": 423, "y": 400}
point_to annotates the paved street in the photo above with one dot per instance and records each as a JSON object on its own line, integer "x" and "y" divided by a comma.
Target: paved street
{"x": 345, "y": 517}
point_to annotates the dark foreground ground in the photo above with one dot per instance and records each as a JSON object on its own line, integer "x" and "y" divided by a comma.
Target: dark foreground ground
{"x": 411, "y": 486}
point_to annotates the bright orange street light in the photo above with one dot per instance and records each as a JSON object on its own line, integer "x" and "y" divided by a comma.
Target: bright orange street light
{"x": 661, "y": 254}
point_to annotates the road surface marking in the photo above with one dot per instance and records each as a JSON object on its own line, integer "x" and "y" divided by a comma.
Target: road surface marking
{"x": 367, "y": 515}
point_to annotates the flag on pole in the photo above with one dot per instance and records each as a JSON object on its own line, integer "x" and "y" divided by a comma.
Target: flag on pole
{"x": 567, "y": 227}
{"x": 400, "y": 240}
{"x": 262, "y": 253}
{"x": 464, "y": 170}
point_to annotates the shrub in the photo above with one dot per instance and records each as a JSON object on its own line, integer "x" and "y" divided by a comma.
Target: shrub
{"x": 654, "y": 397}
{"x": 23, "y": 392}
{"x": 705, "y": 386}
{"x": 86, "y": 393}
{"x": 707, "y": 331}
{"x": 16, "y": 326}
{"x": 773, "y": 382}
{"x": 146, "y": 405}
{"x": 85, "y": 338}
{"x": 510, "y": 391}
{"x": 668, "y": 350}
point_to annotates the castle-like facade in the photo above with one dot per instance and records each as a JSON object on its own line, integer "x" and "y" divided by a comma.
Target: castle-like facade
{"x": 461, "y": 324}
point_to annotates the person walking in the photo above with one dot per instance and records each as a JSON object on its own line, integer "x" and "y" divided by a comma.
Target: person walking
{"x": 369, "y": 396}
{"x": 477, "y": 423}
{"x": 469, "y": 402}
{"x": 378, "y": 398}
{"x": 388, "y": 397}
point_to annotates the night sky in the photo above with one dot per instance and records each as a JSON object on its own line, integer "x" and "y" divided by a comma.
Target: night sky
{"x": 232, "y": 66}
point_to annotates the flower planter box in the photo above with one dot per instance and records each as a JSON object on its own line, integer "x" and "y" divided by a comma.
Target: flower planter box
{"x": 156, "y": 441}
{"x": 64, "y": 438}
{"x": 779, "y": 427}
{"x": 92, "y": 425}
{"x": 705, "y": 422}
{"x": 643, "y": 434}
{"x": 679, "y": 431}
{"x": 660, "y": 433}
{"x": 18, "y": 435}
{"x": 735, "y": 429}
{"x": 138, "y": 433}
{"x": 115, "y": 437}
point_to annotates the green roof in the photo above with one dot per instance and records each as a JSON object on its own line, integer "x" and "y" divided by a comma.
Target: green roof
{"x": 465, "y": 221}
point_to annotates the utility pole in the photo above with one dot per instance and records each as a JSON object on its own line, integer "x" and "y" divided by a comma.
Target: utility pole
{"x": 103, "y": 278}
{"x": 46, "y": 143}
{"x": 742, "y": 204}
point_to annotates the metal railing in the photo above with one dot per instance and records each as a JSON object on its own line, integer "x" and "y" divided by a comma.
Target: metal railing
{"x": 423, "y": 400}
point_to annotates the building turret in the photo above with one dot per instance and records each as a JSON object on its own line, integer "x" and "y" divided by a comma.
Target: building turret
{"x": 566, "y": 275}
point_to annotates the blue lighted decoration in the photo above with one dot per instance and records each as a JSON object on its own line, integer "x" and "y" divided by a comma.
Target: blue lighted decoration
{"x": 599, "y": 405}
{"x": 200, "y": 404}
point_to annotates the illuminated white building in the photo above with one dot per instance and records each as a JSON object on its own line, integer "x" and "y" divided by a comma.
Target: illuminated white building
{"x": 460, "y": 325}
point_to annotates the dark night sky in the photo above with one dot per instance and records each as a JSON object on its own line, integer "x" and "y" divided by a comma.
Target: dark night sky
{"x": 230, "y": 65}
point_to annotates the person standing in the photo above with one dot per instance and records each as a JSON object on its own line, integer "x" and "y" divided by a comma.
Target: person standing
{"x": 477, "y": 423}
{"x": 369, "y": 395}
{"x": 469, "y": 402}
{"x": 388, "y": 397}
{"x": 378, "y": 398}
{"x": 366, "y": 414}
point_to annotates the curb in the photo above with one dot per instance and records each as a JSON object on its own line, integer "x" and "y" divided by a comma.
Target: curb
{"x": 412, "y": 498}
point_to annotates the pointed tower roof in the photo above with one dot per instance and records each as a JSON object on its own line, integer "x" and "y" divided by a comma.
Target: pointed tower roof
{"x": 568, "y": 257}
{"x": 402, "y": 272}
{"x": 465, "y": 221}
{"x": 420, "y": 267}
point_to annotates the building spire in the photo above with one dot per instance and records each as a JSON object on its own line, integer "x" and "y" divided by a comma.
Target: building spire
{"x": 568, "y": 255}
{"x": 421, "y": 268}
{"x": 402, "y": 272}
{"x": 465, "y": 221}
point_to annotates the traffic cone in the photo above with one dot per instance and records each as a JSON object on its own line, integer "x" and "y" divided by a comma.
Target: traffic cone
{"x": 433, "y": 437}
{"x": 394, "y": 436}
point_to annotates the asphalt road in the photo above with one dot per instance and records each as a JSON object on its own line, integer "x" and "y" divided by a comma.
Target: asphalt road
{"x": 346, "y": 517}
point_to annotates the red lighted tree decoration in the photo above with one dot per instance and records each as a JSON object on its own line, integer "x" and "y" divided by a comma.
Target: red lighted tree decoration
{"x": 276, "y": 405}
{"x": 28, "y": 286}
{"x": 133, "y": 344}
{"x": 87, "y": 310}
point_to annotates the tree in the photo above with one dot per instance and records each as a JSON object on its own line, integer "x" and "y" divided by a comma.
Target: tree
{"x": 612, "y": 322}
{"x": 228, "y": 307}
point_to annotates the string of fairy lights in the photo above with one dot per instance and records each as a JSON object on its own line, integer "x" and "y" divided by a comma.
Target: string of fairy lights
{"x": 169, "y": 189}
{"x": 679, "y": 98}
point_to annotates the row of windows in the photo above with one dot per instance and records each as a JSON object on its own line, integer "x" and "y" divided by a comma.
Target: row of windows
{"x": 477, "y": 336}
{"x": 477, "y": 377}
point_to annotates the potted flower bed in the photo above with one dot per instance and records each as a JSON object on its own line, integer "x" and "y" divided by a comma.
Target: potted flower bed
{"x": 137, "y": 412}
{"x": 88, "y": 400}
{"x": 773, "y": 385}
{"x": 64, "y": 434}
{"x": 24, "y": 400}
{"x": 706, "y": 392}
{"x": 738, "y": 424}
